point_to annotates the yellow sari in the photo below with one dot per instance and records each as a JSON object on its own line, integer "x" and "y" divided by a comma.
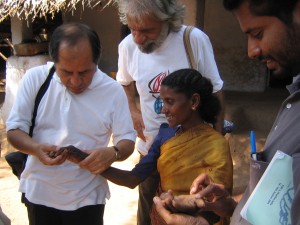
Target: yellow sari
{"x": 188, "y": 154}
{"x": 198, "y": 150}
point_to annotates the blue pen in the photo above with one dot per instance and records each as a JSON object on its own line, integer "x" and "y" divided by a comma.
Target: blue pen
{"x": 253, "y": 145}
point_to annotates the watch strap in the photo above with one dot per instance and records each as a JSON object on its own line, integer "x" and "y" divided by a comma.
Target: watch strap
{"x": 117, "y": 152}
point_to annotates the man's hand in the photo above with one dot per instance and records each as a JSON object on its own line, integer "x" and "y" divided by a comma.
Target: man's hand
{"x": 188, "y": 204}
{"x": 167, "y": 199}
{"x": 138, "y": 124}
{"x": 176, "y": 218}
{"x": 45, "y": 152}
{"x": 202, "y": 181}
{"x": 217, "y": 198}
{"x": 181, "y": 203}
{"x": 23, "y": 142}
{"x": 98, "y": 160}
{"x": 73, "y": 154}
{"x": 136, "y": 114}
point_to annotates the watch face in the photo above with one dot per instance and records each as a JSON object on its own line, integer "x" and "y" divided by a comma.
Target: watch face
{"x": 118, "y": 155}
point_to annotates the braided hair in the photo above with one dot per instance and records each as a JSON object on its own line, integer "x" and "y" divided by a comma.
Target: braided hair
{"x": 189, "y": 82}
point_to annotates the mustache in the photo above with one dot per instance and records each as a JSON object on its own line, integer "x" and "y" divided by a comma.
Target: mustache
{"x": 264, "y": 57}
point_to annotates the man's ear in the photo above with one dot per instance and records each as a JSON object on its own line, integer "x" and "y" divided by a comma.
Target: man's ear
{"x": 296, "y": 13}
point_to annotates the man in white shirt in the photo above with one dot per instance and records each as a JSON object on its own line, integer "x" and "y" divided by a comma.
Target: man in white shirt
{"x": 82, "y": 107}
{"x": 154, "y": 49}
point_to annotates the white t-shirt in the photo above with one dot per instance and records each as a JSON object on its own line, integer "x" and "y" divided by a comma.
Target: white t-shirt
{"x": 148, "y": 70}
{"x": 85, "y": 120}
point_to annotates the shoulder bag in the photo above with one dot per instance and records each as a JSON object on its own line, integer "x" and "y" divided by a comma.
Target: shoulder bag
{"x": 17, "y": 160}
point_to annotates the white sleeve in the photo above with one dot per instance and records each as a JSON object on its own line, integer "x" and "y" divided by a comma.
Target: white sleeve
{"x": 122, "y": 127}
{"x": 123, "y": 76}
{"x": 21, "y": 112}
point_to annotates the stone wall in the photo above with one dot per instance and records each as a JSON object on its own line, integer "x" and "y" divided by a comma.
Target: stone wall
{"x": 238, "y": 72}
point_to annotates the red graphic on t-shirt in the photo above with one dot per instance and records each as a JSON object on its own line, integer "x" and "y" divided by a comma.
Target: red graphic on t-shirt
{"x": 154, "y": 84}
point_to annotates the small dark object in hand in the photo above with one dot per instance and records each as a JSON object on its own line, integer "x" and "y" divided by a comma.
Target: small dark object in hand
{"x": 73, "y": 154}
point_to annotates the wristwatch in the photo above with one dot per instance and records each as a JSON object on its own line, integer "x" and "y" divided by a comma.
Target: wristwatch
{"x": 117, "y": 152}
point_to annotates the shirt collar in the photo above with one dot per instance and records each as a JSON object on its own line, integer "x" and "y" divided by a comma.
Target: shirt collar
{"x": 295, "y": 86}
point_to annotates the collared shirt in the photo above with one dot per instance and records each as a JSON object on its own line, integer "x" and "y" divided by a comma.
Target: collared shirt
{"x": 148, "y": 70}
{"x": 284, "y": 136}
{"x": 85, "y": 120}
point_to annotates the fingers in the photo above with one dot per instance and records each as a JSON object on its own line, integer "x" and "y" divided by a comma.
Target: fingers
{"x": 47, "y": 155}
{"x": 167, "y": 199}
{"x": 162, "y": 211}
{"x": 57, "y": 160}
{"x": 204, "y": 206}
{"x": 99, "y": 160}
{"x": 95, "y": 166}
{"x": 50, "y": 161}
{"x": 201, "y": 181}
{"x": 141, "y": 135}
{"x": 140, "y": 130}
{"x": 139, "y": 125}
{"x": 216, "y": 190}
{"x": 167, "y": 195}
{"x": 57, "y": 152}
{"x": 187, "y": 203}
{"x": 176, "y": 218}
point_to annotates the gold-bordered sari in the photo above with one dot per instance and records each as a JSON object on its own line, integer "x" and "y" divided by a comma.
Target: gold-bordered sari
{"x": 186, "y": 155}
{"x": 198, "y": 150}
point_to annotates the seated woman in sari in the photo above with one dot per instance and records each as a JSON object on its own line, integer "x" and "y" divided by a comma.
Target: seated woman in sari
{"x": 187, "y": 145}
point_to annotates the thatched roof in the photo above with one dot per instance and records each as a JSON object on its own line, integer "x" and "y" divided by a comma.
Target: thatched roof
{"x": 31, "y": 9}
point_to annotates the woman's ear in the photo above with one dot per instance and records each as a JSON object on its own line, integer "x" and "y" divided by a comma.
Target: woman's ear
{"x": 196, "y": 101}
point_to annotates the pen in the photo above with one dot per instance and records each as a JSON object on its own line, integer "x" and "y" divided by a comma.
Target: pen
{"x": 253, "y": 145}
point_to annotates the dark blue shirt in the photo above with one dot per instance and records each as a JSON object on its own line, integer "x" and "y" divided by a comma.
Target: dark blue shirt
{"x": 149, "y": 162}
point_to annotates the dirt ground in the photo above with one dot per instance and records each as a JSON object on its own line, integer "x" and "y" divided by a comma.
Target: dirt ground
{"x": 247, "y": 110}
{"x": 121, "y": 208}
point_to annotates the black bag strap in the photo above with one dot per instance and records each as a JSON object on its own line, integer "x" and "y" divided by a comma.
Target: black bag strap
{"x": 39, "y": 97}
